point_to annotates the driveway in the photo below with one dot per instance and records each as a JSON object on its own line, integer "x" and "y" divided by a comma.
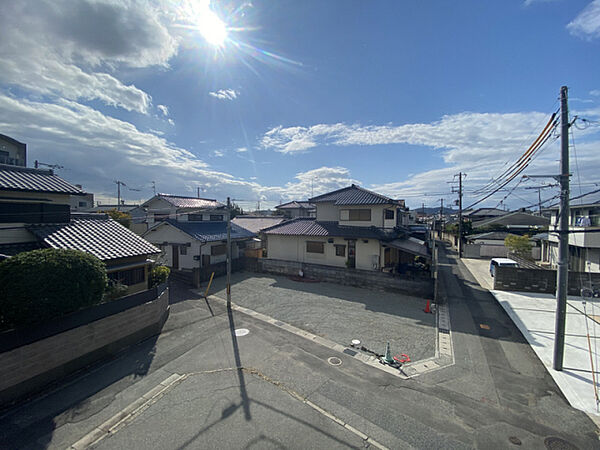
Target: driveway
{"x": 339, "y": 313}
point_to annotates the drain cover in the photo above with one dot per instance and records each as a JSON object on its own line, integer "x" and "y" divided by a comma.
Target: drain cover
{"x": 334, "y": 361}
{"x": 241, "y": 331}
{"x": 514, "y": 440}
{"x": 556, "y": 443}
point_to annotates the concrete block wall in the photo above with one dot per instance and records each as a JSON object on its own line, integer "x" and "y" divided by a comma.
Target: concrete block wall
{"x": 417, "y": 286}
{"x": 29, "y": 367}
{"x": 541, "y": 281}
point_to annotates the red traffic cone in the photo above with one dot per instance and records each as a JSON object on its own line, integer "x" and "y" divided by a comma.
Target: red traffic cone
{"x": 428, "y": 307}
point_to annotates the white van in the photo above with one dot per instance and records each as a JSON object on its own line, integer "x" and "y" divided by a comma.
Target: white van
{"x": 504, "y": 262}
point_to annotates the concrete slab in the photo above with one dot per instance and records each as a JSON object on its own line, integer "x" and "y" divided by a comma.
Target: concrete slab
{"x": 535, "y": 315}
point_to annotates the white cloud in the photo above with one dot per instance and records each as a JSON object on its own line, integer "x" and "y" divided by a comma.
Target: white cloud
{"x": 218, "y": 153}
{"x": 587, "y": 23}
{"x": 164, "y": 110}
{"x": 73, "y": 49}
{"x": 462, "y": 135}
{"x": 595, "y": 92}
{"x": 225, "y": 94}
{"x": 241, "y": 149}
{"x": 531, "y": 2}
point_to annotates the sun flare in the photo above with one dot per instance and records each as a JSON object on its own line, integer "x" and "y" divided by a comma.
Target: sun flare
{"x": 211, "y": 27}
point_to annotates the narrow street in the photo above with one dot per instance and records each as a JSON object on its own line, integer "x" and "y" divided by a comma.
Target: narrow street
{"x": 202, "y": 385}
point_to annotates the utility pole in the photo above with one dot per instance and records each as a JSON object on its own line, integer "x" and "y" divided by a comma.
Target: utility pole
{"x": 228, "y": 253}
{"x": 460, "y": 176}
{"x": 119, "y": 184}
{"x": 154, "y": 187}
{"x": 562, "y": 274}
{"x": 441, "y": 217}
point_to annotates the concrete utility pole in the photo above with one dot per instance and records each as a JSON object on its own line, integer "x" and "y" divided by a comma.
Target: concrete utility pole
{"x": 119, "y": 183}
{"x": 228, "y": 252}
{"x": 460, "y": 222}
{"x": 562, "y": 274}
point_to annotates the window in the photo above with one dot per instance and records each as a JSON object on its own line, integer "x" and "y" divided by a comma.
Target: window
{"x": 194, "y": 217}
{"x": 82, "y": 204}
{"x": 340, "y": 250}
{"x": 216, "y": 217}
{"x": 315, "y": 247}
{"x": 361, "y": 215}
{"x": 344, "y": 214}
{"x": 128, "y": 277}
{"x": 183, "y": 250}
{"x": 389, "y": 214}
{"x": 220, "y": 249}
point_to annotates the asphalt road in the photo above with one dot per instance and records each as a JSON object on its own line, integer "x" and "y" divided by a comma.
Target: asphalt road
{"x": 287, "y": 395}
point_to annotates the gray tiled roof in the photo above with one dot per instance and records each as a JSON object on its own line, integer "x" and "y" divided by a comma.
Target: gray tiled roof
{"x": 15, "y": 178}
{"x": 296, "y": 205}
{"x": 210, "y": 231}
{"x": 102, "y": 237}
{"x": 514, "y": 219}
{"x": 310, "y": 227}
{"x": 353, "y": 195}
{"x": 255, "y": 224}
{"x": 191, "y": 202}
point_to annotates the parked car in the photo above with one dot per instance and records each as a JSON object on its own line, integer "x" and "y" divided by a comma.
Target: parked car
{"x": 501, "y": 262}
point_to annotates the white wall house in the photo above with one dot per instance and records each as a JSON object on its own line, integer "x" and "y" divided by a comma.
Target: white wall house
{"x": 584, "y": 239}
{"x": 353, "y": 228}
{"x": 191, "y": 232}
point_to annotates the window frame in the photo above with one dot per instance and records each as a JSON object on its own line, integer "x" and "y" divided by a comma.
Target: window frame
{"x": 310, "y": 247}
{"x": 340, "y": 250}
{"x": 218, "y": 250}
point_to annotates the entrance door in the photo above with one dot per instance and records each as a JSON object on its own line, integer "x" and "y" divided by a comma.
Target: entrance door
{"x": 351, "y": 254}
{"x": 205, "y": 260}
{"x": 175, "y": 256}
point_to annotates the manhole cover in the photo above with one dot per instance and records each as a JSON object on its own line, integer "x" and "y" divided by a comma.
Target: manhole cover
{"x": 241, "y": 331}
{"x": 514, "y": 440}
{"x": 334, "y": 361}
{"x": 556, "y": 443}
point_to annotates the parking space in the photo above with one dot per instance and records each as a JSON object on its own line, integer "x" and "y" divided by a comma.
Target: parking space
{"x": 339, "y": 313}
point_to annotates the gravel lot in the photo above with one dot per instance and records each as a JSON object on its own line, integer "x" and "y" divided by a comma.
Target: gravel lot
{"x": 339, "y": 313}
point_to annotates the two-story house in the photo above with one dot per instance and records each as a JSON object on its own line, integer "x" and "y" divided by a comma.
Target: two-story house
{"x": 35, "y": 213}
{"x": 354, "y": 227}
{"x": 584, "y": 239}
{"x": 294, "y": 209}
{"x": 191, "y": 231}
{"x": 12, "y": 152}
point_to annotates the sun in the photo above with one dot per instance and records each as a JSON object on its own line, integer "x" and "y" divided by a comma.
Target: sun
{"x": 210, "y": 26}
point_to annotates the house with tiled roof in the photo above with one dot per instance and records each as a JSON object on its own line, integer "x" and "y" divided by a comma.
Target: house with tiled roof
{"x": 35, "y": 213}
{"x": 353, "y": 227}
{"x": 191, "y": 231}
{"x": 294, "y": 209}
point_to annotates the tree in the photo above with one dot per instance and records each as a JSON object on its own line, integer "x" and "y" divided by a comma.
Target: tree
{"x": 519, "y": 245}
{"x": 122, "y": 217}
{"x": 236, "y": 210}
{"x": 40, "y": 285}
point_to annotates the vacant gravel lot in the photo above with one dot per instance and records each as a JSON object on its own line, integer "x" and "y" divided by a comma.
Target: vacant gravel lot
{"x": 339, "y": 313}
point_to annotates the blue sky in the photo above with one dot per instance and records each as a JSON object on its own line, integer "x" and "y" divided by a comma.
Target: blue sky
{"x": 299, "y": 97}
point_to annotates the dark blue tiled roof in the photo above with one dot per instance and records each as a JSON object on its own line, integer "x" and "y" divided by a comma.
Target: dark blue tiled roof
{"x": 211, "y": 231}
{"x": 14, "y": 178}
{"x": 103, "y": 238}
{"x": 310, "y": 227}
{"x": 353, "y": 195}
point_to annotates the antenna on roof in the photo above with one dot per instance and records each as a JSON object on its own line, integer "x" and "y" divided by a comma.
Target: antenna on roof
{"x": 52, "y": 166}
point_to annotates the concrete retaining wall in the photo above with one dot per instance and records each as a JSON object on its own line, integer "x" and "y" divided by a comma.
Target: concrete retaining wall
{"x": 542, "y": 281}
{"x": 417, "y": 285}
{"x": 32, "y": 358}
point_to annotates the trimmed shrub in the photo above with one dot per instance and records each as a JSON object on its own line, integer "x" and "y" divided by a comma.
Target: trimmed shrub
{"x": 115, "y": 290}
{"x": 159, "y": 274}
{"x": 41, "y": 285}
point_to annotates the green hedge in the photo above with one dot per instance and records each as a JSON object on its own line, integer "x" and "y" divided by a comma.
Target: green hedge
{"x": 41, "y": 285}
{"x": 159, "y": 274}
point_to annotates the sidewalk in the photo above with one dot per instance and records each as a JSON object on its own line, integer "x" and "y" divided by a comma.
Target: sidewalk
{"x": 534, "y": 315}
